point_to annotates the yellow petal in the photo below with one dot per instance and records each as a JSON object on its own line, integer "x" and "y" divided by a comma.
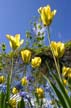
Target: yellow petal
{"x": 48, "y": 8}
{"x": 53, "y": 45}
{"x": 21, "y": 42}
{"x": 64, "y": 81}
{"x": 54, "y": 12}
{"x": 11, "y": 38}
{"x": 26, "y": 55}
{"x": 40, "y": 10}
{"x": 10, "y": 44}
{"x": 36, "y": 61}
{"x": 17, "y": 37}
{"x": 44, "y": 17}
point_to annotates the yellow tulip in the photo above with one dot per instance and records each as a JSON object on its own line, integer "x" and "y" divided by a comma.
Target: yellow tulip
{"x": 15, "y": 90}
{"x": 36, "y": 61}
{"x": 40, "y": 92}
{"x": 58, "y": 48}
{"x": 24, "y": 81}
{"x": 2, "y": 79}
{"x": 69, "y": 75}
{"x": 66, "y": 72}
{"x": 64, "y": 82}
{"x": 14, "y": 41}
{"x": 12, "y": 102}
{"x": 46, "y": 15}
{"x": 26, "y": 55}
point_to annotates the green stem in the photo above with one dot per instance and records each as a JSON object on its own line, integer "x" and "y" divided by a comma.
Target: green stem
{"x": 48, "y": 66}
{"x": 11, "y": 70}
{"x": 57, "y": 67}
{"x": 25, "y": 69}
{"x": 9, "y": 79}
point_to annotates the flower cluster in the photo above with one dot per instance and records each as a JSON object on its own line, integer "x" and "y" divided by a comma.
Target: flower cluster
{"x": 30, "y": 89}
{"x": 26, "y": 56}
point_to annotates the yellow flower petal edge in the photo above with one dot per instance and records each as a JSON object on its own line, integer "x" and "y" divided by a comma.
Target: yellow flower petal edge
{"x": 46, "y": 15}
{"x": 14, "y": 41}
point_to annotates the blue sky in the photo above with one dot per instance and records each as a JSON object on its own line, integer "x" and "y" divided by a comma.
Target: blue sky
{"x": 15, "y": 16}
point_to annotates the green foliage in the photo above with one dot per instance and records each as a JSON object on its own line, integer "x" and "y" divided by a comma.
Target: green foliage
{"x": 60, "y": 92}
{"x": 2, "y": 100}
{"x": 13, "y": 68}
{"x": 21, "y": 104}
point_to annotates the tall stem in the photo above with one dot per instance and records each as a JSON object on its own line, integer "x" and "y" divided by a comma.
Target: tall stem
{"x": 57, "y": 67}
{"x": 9, "y": 78}
{"x": 11, "y": 70}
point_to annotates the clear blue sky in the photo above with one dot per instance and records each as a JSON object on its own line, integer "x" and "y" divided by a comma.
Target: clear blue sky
{"x": 15, "y": 16}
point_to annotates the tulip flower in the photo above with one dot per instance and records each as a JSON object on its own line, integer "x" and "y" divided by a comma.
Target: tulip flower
{"x": 40, "y": 92}
{"x": 66, "y": 72}
{"x": 12, "y": 103}
{"x": 46, "y": 15}
{"x": 15, "y": 90}
{"x": 24, "y": 81}
{"x": 58, "y": 48}
{"x": 2, "y": 79}
{"x": 36, "y": 61}
{"x": 14, "y": 41}
{"x": 26, "y": 55}
{"x": 64, "y": 82}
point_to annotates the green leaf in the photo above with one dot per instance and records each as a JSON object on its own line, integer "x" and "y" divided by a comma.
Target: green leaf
{"x": 21, "y": 104}
{"x": 62, "y": 91}
{"x": 2, "y": 100}
{"x": 60, "y": 97}
{"x": 37, "y": 99}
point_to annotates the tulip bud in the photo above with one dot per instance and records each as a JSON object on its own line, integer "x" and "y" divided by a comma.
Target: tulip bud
{"x": 57, "y": 48}
{"x": 2, "y": 79}
{"x": 40, "y": 92}
{"x": 26, "y": 55}
{"x": 36, "y": 61}
{"x": 14, "y": 41}
{"x": 15, "y": 90}
{"x": 24, "y": 81}
{"x": 46, "y": 15}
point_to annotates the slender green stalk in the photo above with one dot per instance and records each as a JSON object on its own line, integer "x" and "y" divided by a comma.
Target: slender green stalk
{"x": 25, "y": 69}
{"x": 57, "y": 67}
{"x": 9, "y": 79}
{"x": 11, "y": 70}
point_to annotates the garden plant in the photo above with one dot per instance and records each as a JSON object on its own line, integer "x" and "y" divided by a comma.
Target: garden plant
{"x": 33, "y": 74}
